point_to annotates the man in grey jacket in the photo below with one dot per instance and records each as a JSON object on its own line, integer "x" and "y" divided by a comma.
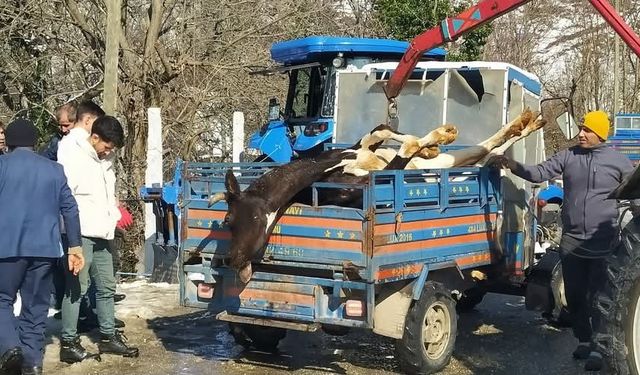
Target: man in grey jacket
{"x": 590, "y": 171}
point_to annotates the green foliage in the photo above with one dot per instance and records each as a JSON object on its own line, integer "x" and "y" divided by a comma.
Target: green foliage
{"x": 405, "y": 19}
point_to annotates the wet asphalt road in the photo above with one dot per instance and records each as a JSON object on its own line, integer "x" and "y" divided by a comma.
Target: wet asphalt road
{"x": 498, "y": 337}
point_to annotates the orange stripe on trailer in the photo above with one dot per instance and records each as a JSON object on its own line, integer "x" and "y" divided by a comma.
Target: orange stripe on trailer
{"x": 402, "y": 271}
{"x": 208, "y": 233}
{"x": 278, "y": 297}
{"x": 434, "y": 223}
{"x": 352, "y": 225}
{"x": 275, "y": 239}
{"x": 193, "y": 213}
{"x": 473, "y": 259}
{"x": 434, "y": 242}
{"x": 314, "y": 242}
{"x": 416, "y": 268}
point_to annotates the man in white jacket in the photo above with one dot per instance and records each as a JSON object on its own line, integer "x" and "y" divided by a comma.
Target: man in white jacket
{"x": 85, "y": 114}
{"x": 87, "y": 163}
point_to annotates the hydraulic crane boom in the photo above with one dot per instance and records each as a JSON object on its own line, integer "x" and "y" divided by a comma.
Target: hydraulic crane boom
{"x": 483, "y": 12}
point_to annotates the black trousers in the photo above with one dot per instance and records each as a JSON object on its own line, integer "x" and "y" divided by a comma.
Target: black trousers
{"x": 32, "y": 277}
{"x": 584, "y": 272}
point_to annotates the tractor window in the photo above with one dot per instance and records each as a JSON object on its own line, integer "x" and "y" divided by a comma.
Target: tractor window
{"x": 628, "y": 123}
{"x": 305, "y": 92}
{"x": 329, "y": 93}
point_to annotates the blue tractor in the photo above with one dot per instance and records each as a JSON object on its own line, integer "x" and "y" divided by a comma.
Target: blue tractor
{"x": 313, "y": 65}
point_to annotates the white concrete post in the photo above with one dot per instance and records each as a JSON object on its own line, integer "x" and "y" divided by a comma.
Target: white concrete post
{"x": 237, "y": 142}
{"x": 153, "y": 176}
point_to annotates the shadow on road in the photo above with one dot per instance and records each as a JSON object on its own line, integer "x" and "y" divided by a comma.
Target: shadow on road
{"x": 500, "y": 338}
{"x": 199, "y": 334}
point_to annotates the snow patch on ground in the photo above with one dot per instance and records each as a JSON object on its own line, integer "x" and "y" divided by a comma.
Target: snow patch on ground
{"x": 144, "y": 300}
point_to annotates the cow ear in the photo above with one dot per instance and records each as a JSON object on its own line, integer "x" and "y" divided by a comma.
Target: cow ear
{"x": 230, "y": 182}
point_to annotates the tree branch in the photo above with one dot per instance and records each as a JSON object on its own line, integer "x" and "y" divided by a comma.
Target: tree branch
{"x": 96, "y": 43}
{"x": 169, "y": 73}
{"x": 156, "y": 10}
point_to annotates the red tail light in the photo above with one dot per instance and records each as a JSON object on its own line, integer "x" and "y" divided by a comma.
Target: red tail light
{"x": 206, "y": 290}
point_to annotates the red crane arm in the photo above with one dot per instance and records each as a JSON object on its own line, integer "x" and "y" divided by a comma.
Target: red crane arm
{"x": 622, "y": 28}
{"x": 483, "y": 12}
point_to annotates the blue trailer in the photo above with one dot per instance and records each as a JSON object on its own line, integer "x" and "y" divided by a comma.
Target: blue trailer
{"x": 419, "y": 236}
{"x": 626, "y": 135}
{"x": 423, "y": 244}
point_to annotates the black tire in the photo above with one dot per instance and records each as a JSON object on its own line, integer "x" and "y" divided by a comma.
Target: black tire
{"x": 436, "y": 305}
{"x": 470, "y": 298}
{"x": 259, "y": 337}
{"x": 558, "y": 315}
{"x": 619, "y": 306}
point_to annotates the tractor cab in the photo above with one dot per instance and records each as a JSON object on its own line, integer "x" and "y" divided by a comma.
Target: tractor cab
{"x": 306, "y": 121}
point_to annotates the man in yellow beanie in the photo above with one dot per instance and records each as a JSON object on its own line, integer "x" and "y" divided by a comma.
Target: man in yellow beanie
{"x": 590, "y": 171}
{"x": 596, "y": 122}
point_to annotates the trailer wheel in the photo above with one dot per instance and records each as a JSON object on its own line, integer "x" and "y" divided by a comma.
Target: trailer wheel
{"x": 470, "y": 298}
{"x": 259, "y": 337}
{"x": 619, "y": 305}
{"x": 429, "y": 333}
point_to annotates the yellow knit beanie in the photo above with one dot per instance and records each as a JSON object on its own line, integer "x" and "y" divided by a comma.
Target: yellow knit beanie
{"x": 597, "y": 122}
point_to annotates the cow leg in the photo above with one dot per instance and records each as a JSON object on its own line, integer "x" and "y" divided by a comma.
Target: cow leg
{"x": 426, "y": 146}
{"x": 530, "y": 128}
{"x": 449, "y": 159}
{"x": 360, "y": 158}
{"x": 470, "y": 155}
{"x": 378, "y": 135}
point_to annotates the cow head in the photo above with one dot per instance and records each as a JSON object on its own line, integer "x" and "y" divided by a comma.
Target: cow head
{"x": 249, "y": 220}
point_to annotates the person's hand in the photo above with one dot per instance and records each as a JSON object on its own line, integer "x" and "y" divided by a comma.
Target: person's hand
{"x": 501, "y": 161}
{"x": 126, "y": 219}
{"x": 75, "y": 260}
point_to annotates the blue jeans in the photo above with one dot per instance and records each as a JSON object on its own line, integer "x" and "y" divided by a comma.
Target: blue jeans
{"x": 32, "y": 277}
{"x": 98, "y": 267}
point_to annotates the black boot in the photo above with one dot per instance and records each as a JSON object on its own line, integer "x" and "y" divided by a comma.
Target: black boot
{"x": 11, "y": 361}
{"x": 582, "y": 351}
{"x": 35, "y": 370}
{"x": 594, "y": 362}
{"x": 115, "y": 344}
{"x": 118, "y": 323}
{"x": 72, "y": 352}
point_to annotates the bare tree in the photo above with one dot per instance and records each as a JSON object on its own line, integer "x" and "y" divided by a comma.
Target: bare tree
{"x": 191, "y": 58}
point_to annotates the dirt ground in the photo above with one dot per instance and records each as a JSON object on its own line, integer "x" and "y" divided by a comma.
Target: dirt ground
{"x": 499, "y": 337}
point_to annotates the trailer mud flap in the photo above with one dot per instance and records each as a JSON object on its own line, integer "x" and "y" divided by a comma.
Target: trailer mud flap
{"x": 269, "y": 299}
{"x": 231, "y": 318}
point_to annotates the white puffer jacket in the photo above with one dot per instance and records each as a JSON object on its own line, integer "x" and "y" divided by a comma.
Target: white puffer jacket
{"x": 92, "y": 182}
